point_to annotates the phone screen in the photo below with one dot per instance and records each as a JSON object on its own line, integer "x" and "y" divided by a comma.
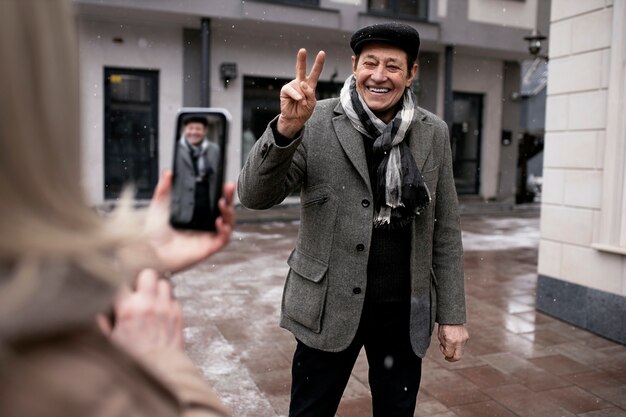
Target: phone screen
{"x": 199, "y": 161}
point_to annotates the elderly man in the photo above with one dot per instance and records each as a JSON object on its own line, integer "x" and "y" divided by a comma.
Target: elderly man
{"x": 195, "y": 176}
{"x": 379, "y": 257}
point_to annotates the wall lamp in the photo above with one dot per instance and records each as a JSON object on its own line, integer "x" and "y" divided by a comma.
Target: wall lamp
{"x": 228, "y": 72}
{"x": 534, "y": 44}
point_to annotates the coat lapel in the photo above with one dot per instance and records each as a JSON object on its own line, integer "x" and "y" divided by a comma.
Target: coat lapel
{"x": 352, "y": 143}
{"x": 420, "y": 140}
{"x": 185, "y": 156}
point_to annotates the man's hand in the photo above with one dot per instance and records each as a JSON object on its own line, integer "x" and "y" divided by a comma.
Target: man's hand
{"x": 452, "y": 339}
{"x": 297, "y": 98}
{"x": 180, "y": 249}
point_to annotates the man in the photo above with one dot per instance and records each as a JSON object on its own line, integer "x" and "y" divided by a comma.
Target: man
{"x": 195, "y": 175}
{"x": 379, "y": 256}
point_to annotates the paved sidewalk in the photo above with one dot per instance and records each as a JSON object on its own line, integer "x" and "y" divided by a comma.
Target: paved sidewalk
{"x": 518, "y": 362}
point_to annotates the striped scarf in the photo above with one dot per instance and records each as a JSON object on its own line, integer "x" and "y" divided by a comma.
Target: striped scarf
{"x": 400, "y": 190}
{"x": 199, "y": 153}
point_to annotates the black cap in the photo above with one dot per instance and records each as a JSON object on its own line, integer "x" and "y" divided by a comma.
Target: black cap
{"x": 400, "y": 35}
{"x": 192, "y": 118}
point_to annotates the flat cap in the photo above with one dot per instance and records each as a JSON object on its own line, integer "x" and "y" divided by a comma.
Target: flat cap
{"x": 193, "y": 118}
{"x": 397, "y": 34}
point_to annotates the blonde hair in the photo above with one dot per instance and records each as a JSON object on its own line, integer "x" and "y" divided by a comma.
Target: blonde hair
{"x": 44, "y": 215}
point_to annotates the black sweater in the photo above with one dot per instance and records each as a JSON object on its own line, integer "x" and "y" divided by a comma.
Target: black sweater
{"x": 388, "y": 267}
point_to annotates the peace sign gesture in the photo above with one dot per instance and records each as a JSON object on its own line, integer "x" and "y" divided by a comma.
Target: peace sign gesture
{"x": 297, "y": 98}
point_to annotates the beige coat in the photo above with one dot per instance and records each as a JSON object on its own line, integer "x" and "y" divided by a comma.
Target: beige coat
{"x": 54, "y": 362}
{"x": 326, "y": 284}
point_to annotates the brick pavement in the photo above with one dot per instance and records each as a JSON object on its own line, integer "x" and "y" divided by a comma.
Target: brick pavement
{"x": 518, "y": 362}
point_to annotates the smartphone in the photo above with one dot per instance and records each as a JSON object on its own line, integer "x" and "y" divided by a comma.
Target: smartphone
{"x": 199, "y": 164}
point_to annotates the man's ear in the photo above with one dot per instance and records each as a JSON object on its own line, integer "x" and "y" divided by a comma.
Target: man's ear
{"x": 355, "y": 60}
{"x": 412, "y": 74}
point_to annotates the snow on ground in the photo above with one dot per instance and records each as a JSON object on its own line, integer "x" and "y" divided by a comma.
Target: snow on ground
{"x": 229, "y": 302}
{"x": 503, "y": 234}
{"x": 232, "y": 302}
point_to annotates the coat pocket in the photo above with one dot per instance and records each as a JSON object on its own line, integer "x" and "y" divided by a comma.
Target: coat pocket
{"x": 317, "y": 222}
{"x": 305, "y": 291}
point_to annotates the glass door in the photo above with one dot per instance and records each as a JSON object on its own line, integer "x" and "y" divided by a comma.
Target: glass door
{"x": 466, "y": 138}
{"x": 131, "y": 133}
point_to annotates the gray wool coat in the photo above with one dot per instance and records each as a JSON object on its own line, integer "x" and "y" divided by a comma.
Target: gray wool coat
{"x": 184, "y": 186}
{"x": 320, "y": 305}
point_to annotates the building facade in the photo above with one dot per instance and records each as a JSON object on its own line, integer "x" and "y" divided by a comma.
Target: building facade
{"x": 141, "y": 61}
{"x": 582, "y": 257}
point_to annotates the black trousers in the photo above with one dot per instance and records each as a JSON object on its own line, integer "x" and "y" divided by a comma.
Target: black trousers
{"x": 320, "y": 378}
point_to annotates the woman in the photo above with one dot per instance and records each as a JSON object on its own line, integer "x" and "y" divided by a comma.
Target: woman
{"x": 61, "y": 264}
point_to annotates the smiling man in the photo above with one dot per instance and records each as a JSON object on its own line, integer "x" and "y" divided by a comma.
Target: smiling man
{"x": 379, "y": 257}
{"x": 195, "y": 183}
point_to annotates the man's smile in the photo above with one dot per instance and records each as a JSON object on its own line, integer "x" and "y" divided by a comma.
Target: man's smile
{"x": 378, "y": 90}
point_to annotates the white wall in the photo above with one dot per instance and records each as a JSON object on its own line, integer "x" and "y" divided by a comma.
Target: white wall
{"x": 484, "y": 76}
{"x": 583, "y": 137}
{"x": 144, "y": 47}
{"x": 442, "y": 8}
{"x": 522, "y": 14}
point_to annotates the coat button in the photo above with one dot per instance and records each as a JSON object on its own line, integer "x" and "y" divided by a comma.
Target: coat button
{"x": 365, "y": 202}
{"x": 360, "y": 247}
{"x": 356, "y": 290}
{"x": 264, "y": 149}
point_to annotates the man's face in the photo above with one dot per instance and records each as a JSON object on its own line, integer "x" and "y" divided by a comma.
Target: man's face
{"x": 381, "y": 76}
{"x": 194, "y": 133}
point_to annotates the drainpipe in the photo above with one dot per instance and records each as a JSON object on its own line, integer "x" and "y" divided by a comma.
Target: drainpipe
{"x": 205, "y": 69}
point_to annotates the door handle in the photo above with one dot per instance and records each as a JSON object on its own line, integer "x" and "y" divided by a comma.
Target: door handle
{"x": 152, "y": 143}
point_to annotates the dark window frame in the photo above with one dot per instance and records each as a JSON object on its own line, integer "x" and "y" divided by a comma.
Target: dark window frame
{"x": 393, "y": 11}
{"x": 479, "y": 99}
{"x": 153, "y": 176}
{"x": 262, "y": 93}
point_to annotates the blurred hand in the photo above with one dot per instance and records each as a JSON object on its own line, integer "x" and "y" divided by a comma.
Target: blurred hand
{"x": 297, "y": 98}
{"x": 146, "y": 319}
{"x": 180, "y": 249}
{"x": 452, "y": 339}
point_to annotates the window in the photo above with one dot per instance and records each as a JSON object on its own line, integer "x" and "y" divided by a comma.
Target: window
{"x": 400, "y": 8}
{"x": 131, "y": 131}
{"x": 261, "y": 103}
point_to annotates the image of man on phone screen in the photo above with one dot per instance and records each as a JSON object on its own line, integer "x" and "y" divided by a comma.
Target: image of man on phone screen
{"x": 195, "y": 175}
